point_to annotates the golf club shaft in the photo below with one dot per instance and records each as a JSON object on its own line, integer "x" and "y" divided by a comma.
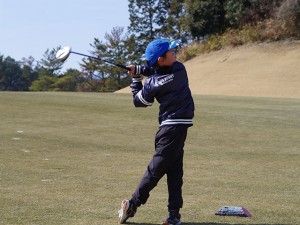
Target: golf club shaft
{"x": 99, "y": 59}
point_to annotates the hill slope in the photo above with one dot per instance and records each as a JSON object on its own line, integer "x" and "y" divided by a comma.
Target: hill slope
{"x": 263, "y": 70}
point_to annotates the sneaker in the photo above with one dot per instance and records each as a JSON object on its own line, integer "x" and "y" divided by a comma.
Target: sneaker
{"x": 128, "y": 209}
{"x": 172, "y": 220}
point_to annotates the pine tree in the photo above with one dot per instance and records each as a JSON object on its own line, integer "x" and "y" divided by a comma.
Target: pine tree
{"x": 142, "y": 27}
{"x": 170, "y": 18}
{"x": 50, "y": 66}
{"x": 205, "y": 17}
{"x": 102, "y": 76}
{"x": 10, "y": 75}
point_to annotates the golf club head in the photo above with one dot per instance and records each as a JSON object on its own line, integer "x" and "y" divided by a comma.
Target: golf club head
{"x": 63, "y": 53}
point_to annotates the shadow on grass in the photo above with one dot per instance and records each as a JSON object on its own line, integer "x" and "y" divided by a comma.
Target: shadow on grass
{"x": 228, "y": 224}
{"x": 193, "y": 223}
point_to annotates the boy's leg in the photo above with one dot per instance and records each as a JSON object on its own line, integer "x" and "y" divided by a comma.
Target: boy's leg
{"x": 155, "y": 171}
{"x": 175, "y": 175}
{"x": 167, "y": 149}
{"x": 174, "y": 179}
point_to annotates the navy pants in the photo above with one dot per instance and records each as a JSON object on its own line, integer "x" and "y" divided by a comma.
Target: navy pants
{"x": 168, "y": 159}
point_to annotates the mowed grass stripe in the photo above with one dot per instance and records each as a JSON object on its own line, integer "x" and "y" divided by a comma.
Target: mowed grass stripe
{"x": 70, "y": 158}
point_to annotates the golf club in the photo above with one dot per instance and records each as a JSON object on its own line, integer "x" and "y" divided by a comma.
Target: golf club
{"x": 64, "y": 53}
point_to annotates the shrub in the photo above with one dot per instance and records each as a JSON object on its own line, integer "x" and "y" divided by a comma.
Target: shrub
{"x": 189, "y": 52}
{"x": 288, "y": 15}
{"x": 285, "y": 23}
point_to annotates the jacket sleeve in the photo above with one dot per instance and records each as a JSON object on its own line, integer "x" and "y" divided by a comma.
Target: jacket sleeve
{"x": 142, "y": 96}
{"x": 144, "y": 70}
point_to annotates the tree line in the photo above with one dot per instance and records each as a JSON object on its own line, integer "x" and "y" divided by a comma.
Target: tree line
{"x": 191, "y": 20}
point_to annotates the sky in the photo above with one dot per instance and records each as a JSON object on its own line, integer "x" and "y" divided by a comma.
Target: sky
{"x": 30, "y": 27}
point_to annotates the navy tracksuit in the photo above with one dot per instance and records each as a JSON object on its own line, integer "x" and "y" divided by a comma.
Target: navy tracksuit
{"x": 169, "y": 86}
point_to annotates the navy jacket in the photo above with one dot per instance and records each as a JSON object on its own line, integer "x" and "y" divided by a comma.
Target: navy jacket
{"x": 170, "y": 87}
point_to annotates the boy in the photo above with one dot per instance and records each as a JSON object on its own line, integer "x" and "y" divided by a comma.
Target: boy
{"x": 167, "y": 82}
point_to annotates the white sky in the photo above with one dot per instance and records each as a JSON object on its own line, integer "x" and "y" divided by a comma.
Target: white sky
{"x": 29, "y": 27}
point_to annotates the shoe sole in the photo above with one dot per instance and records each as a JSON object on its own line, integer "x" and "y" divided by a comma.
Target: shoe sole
{"x": 166, "y": 223}
{"x": 122, "y": 211}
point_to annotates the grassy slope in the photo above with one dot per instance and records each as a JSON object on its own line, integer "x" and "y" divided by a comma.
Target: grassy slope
{"x": 80, "y": 153}
{"x": 262, "y": 70}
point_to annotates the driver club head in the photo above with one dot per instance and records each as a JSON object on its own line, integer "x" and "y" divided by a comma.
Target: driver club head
{"x": 63, "y": 53}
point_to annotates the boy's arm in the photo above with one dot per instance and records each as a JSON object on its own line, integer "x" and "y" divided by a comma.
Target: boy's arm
{"x": 143, "y": 70}
{"x": 141, "y": 94}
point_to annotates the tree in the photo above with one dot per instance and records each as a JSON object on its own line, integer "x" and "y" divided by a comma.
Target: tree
{"x": 288, "y": 13}
{"x": 27, "y": 77}
{"x": 245, "y": 12}
{"x": 116, "y": 51}
{"x": 29, "y": 70}
{"x": 235, "y": 11}
{"x": 162, "y": 28}
{"x": 102, "y": 76}
{"x": 16, "y": 76}
{"x": 49, "y": 65}
{"x": 170, "y": 19}
{"x": 11, "y": 75}
{"x": 44, "y": 83}
{"x": 142, "y": 16}
{"x": 130, "y": 48}
{"x": 68, "y": 81}
{"x": 151, "y": 19}
{"x": 205, "y": 17}
{"x": 258, "y": 10}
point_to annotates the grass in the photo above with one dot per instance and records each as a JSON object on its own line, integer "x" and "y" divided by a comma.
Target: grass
{"x": 70, "y": 158}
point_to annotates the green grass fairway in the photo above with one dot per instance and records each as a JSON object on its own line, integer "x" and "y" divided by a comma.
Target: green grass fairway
{"x": 70, "y": 158}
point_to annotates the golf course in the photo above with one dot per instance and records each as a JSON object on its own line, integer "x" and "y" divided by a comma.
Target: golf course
{"x": 70, "y": 158}
{"x": 217, "y": 123}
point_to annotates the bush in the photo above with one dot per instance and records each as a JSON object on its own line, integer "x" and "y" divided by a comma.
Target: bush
{"x": 44, "y": 83}
{"x": 288, "y": 15}
{"x": 188, "y": 52}
{"x": 284, "y": 24}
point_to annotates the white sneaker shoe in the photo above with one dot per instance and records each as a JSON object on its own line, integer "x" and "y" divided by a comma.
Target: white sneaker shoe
{"x": 127, "y": 210}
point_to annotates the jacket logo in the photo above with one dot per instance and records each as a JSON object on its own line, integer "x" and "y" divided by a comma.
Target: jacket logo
{"x": 166, "y": 79}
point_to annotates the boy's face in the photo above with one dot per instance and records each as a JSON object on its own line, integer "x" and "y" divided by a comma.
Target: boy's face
{"x": 168, "y": 59}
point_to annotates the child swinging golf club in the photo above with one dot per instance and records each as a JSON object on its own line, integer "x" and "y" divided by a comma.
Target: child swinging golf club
{"x": 167, "y": 82}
